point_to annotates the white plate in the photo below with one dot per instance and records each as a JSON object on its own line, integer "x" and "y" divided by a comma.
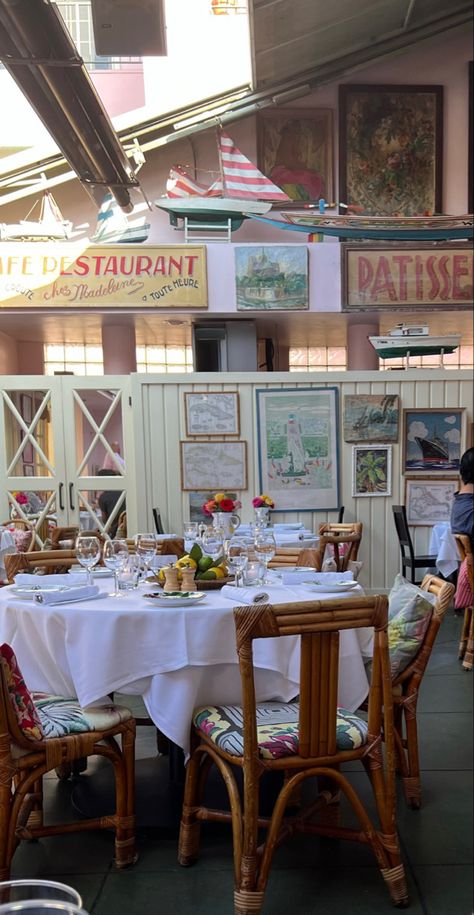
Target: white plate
{"x": 175, "y": 598}
{"x": 27, "y": 592}
{"x": 331, "y": 588}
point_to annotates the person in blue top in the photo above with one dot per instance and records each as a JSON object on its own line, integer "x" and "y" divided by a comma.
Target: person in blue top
{"x": 462, "y": 512}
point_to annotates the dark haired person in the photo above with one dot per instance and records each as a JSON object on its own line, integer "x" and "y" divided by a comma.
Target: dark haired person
{"x": 108, "y": 500}
{"x": 462, "y": 512}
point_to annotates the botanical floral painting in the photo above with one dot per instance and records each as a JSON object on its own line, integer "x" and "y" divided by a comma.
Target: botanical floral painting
{"x": 391, "y": 149}
{"x": 295, "y": 151}
{"x": 371, "y": 470}
{"x": 271, "y": 277}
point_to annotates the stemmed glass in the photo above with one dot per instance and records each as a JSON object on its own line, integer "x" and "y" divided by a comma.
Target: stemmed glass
{"x": 265, "y": 549}
{"x": 237, "y": 556}
{"x": 88, "y": 553}
{"x": 115, "y": 558}
{"x": 146, "y": 548}
{"x": 34, "y": 890}
{"x": 212, "y": 542}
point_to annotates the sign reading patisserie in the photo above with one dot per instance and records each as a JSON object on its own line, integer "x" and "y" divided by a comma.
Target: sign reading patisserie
{"x": 72, "y": 274}
{"x": 437, "y": 276}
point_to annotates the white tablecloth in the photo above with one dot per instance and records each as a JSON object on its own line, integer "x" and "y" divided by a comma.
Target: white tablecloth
{"x": 7, "y": 545}
{"x": 176, "y": 658}
{"x": 444, "y": 547}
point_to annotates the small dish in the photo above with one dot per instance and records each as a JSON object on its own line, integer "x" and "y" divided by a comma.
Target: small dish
{"x": 175, "y": 598}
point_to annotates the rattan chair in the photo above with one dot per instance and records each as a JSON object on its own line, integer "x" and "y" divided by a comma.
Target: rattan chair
{"x": 343, "y": 548}
{"x": 45, "y": 561}
{"x": 289, "y": 557}
{"x": 24, "y": 762}
{"x": 406, "y": 688}
{"x": 466, "y": 645}
{"x": 409, "y": 559}
{"x": 308, "y": 747}
{"x": 61, "y": 535}
{"x": 22, "y": 525}
{"x": 158, "y": 522}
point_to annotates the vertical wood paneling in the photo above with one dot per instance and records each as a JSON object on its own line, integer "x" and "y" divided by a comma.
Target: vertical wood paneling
{"x": 160, "y": 425}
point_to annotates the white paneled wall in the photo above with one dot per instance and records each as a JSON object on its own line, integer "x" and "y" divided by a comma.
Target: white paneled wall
{"x": 159, "y": 425}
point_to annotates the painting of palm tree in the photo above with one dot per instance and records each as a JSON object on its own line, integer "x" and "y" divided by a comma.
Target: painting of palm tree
{"x": 371, "y": 470}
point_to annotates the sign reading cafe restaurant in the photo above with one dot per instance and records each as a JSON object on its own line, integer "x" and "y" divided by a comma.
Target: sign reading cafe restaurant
{"x": 74, "y": 274}
{"x": 423, "y": 275}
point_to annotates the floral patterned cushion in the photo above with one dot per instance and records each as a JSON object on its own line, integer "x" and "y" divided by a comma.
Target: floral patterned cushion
{"x": 409, "y": 614}
{"x": 22, "y": 540}
{"x": 60, "y": 716}
{"x": 277, "y": 728}
{"x": 20, "y": 696}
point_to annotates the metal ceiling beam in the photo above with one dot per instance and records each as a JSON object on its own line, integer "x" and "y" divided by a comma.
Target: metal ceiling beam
{"x": 38, "y": 52}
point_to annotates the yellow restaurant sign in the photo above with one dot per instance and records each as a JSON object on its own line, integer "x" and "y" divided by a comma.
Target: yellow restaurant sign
{"x": 413, "y": 275}
{"x": 73, "y": 274}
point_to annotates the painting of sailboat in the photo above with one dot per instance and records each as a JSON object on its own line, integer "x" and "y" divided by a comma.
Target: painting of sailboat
{"x": 432, "y": 439}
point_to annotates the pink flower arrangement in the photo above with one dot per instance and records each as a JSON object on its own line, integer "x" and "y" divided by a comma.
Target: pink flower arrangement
{"x": 220, "y": 503}
{"x": 263, "y": 502}
{"x": 21, "y": 498}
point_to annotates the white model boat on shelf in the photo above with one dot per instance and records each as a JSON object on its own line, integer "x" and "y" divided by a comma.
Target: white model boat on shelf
{"x": 49, "y": 227}
{"x": 240, "y": 191}
{"x": 413, "y": 340}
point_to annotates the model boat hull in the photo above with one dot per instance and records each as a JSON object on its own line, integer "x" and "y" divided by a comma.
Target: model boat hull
{"x": 206, "y": 207}
{"x": 395, "y": 347}
{"x": 440, "y": 228}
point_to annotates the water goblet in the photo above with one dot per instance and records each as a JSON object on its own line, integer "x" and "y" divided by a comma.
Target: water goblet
{"x": 115, "y": 558}
{"x": 88, "y": 553}
{"x": 146, "y": 549}
{"x": 212, "y": 543}
{"x": 265, "y": 549}
{"x": 237, "y": 556}
{"x": 16, "y": 891}
{"x": 41, "y": 907}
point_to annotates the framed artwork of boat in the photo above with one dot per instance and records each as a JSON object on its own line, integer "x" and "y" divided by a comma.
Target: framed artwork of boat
{"x": 295, "y": 150}
{"x": 271, "y": 278}
{"x": 212, "y": 413}
{"x": 429, "y": 500}
{"x": 432, "y": 439}
{"x": 371, "y": 418}
{"x": 213, "y": 466}
{"x": 371, "y": 470}
{"x": 390, "y": 148}
{"x": 297, "y": 432}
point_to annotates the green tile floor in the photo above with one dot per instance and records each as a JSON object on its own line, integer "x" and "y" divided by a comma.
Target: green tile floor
{"x": 310, "y": 876}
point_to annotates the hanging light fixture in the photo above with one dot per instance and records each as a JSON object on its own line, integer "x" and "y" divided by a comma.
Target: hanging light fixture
{"x": 227, "y": 7}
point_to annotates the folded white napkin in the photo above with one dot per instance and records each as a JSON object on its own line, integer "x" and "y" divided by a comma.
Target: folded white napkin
{"x": 24, "y": 579}
{"x": 298, "y": 576}
{"x": 328, "y": 578}
{"x": 61, "y": 597}
{"x": 273, "y": 595}
{"x": 290, "y": 526}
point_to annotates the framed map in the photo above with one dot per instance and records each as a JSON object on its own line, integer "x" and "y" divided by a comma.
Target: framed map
{"x": 213, "y": 466}
{"x": 212, "y": 413}
{"x": 429, "y": 499}
{"x": 297, "y": 447}
{"x": 371, "y": 470}
{"x": 371, "y": 418}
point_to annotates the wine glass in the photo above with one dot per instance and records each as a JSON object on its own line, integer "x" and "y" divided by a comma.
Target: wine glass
{"x": 41, "y": 907}
{"x": 115, "y": 557}
{"x": 265, "y": 549}
{"x": 212, "y": 542}
{"x": 146, "y": 548}
{"x": 15, "y": 891}
{"x": 237, "y": 556}
{"x": 191, "y": 532}
{"x": 88, "y": 553}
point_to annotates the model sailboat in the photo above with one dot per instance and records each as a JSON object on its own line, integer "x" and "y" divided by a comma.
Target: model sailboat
{"x": 378, "y": 228}
{"x": 113, "y": 227}
{"x": 240, "y": 191}
{"x": 49, "y": 227}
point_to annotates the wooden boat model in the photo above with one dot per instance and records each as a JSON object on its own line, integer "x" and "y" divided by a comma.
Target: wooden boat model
{"x": 49, "y": 227}
{"x": 113, "y": 227}
{"x": 381, "y": 228}
{"x": 413, "y": 340}
{"x": 240, "y": 191}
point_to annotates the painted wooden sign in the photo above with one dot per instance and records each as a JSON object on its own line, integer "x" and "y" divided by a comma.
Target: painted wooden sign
{"x": 76, "y": 275}
{"x": 411, "y": 275}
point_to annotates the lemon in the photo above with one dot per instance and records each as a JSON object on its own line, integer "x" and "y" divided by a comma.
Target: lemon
{"x": 186, "y": 562}
{"x": 219, "y": 572}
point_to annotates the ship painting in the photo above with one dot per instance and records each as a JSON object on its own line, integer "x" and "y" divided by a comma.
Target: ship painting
{"x": 433, "y": 439}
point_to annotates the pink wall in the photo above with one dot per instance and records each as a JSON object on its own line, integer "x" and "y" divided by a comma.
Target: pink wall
{"x": 31, "y": 358}
{"x": 8, "y": 355}
{"x": 120, "y": 90}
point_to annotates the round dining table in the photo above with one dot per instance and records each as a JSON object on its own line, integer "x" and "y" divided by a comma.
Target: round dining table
{"x": 176, "y": 658}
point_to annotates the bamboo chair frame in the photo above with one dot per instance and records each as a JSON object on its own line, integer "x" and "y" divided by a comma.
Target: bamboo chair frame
{"x": 293, "y": 556}
{"x": 319, "y": 624}
{"x": 23, "y": 762}
{"x": 406, "y": 688}
{"x": 342, "y": 560}
{"x": 466, "y": 645}
{"x": 49, "y": 561}
{"x": 22, "y": 525}
{"x": 59, "y": 534}
{"x": 341, "y": 528}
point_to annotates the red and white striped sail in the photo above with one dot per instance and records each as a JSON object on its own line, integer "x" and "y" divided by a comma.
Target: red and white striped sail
{"x": 242, "y": 179}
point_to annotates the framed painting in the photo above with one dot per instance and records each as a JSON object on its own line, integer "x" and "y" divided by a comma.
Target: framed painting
{"x": 371, "y": 470}
{"x": 371, "y": 418}
{"x": 432, "y": 439}
{"x": 297, "y": 432}
{"x": 295, "y": 150}
{"x": 213, "y": 466}
{"x": 429, "y": 500}
{"x": 390, "y": 148}
{"x": 271, "y": 278}
{"x": 212, "y": 413}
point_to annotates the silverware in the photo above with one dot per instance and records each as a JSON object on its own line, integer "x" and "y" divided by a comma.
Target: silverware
{"x": 261, "y": 598}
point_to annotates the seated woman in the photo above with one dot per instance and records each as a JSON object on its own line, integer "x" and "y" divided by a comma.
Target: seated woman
{"x": 462, "y": 512}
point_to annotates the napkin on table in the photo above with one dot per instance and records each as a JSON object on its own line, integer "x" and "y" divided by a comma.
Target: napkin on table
{"x": 61, "y": 597}
{"x": 290, "y": 526}
{"x": 276, "y": 594}
{"x": 24, "y": 579}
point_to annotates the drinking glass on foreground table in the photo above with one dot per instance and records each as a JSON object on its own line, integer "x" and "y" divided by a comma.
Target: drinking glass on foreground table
{"x": 39, "y": 897}
{"x": 237, "y": 558}
{"x": 265, "y": 549}
{"x": 146, "y": 548}
{"x": 115, "y": 557}
{"x": 88, "y": 553}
